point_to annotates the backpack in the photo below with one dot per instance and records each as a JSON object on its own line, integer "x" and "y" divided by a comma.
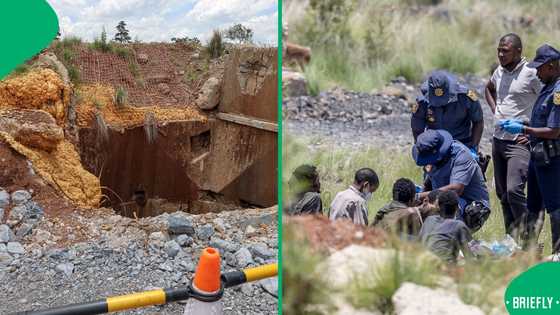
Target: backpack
{"x": 475, "y": 215}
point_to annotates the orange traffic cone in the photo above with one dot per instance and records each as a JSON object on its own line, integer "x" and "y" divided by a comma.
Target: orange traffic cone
{"x": 207, "y": 284}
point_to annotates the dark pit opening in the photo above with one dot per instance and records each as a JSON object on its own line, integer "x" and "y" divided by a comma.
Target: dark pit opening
{"x": 201, "y": 143}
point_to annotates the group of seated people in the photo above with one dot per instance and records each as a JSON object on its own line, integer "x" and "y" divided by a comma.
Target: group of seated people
{"x": 432, "y": 220}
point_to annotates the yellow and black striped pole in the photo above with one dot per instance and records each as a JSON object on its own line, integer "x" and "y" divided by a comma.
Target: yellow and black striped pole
{"x": 156, "y": 297}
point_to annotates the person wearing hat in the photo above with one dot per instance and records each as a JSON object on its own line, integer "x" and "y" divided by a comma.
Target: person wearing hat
{"x": 451, "y": 166}
{"x": 446, "y": 104}
{"x": 544, "y": 137}
{"x": 511, "y": 92}
{"x": 304, "y": 191}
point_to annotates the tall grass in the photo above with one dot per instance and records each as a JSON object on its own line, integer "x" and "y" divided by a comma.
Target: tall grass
{"x": 361, "y": 45}
{"x": 336, "y": 167}
{"x": 481, "y": 283}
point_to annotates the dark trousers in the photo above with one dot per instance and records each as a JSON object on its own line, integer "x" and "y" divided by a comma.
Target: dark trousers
{"x": 511, "y": 163}
{"x": 543, "y": 192}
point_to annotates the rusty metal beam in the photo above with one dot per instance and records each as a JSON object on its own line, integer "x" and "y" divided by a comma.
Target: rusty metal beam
{"x": 248, "y": 121}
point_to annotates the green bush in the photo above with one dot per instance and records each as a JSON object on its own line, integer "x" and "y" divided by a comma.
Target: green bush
{"x": 67, "y": 55}
{"x": 406, "y": 66}
{"x": 101, "y": 43}
{"x": 122, "y": 51}
{"x": 21, "y": 69}
{"x": 302, "y": 286}
{"x": 457, "y": 58}
{"x": 73, "y": 74}
{"x": 375, "y": 288}
{"x": 215, "y": 45}
{"x": 121, "y": 97}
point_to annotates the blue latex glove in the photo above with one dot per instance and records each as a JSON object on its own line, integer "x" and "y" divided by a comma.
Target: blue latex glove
{"x": 419, "y": 189}
{"x": 513, "y": 127}
{"x": 504, "y": 122}
{"x": 474, "y": 153}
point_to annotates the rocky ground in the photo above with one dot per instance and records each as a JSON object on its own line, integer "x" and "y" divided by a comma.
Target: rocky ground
{"x": 356, "y": 119}
{"x": 86, "y": 255}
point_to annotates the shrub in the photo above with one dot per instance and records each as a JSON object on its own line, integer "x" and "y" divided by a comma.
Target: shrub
{"x": 121, "y": 97}
{"x": 456, "y": 58}
{"x": 73, "y": 74}
{"x": 100, "y": 43}
{"x": 122, "y": 51}
{"x": 302, "y": 285}
{"x": 406, "y": 66}
{"x": 375, "y": 288}
{"x": 21, "y": 69}
{"x": 215, "y": 45}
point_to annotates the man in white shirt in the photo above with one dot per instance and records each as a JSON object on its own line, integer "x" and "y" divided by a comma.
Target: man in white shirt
{"x": 352, "y": 203}
{"x": 511, "y": 93}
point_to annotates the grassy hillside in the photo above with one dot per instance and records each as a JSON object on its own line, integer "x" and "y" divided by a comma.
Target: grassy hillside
{"x": 361, "y": 44}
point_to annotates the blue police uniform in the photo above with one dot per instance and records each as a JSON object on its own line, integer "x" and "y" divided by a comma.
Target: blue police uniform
{"x": 461, "y": 168}
{"x": 448, "y": 105}
{"x": 452, "y": 163}
{"x": 543, "y": 189}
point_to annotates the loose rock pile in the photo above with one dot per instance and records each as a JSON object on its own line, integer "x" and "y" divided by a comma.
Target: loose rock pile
{"x": 126, "y": 255}
{"x": 358, "y": 119}
{"x": 21, "y": 219}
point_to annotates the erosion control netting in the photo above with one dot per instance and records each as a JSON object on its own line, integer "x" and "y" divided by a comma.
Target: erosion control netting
{"x": 155, "y": 74}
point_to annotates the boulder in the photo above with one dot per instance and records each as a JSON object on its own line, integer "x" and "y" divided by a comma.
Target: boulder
{"x": 293, "y": 84}
{"x": 4, "y": 199}
{"x": 243, "y": 257}
{"x": 15, "y": 248}
{"x": 32, "y": 128}
{"x": 270, "y": 285}
{"x": 205, "y": 232}
{"x": 209, "y": 96}
{"x": 20, "y": 197}
{"x": 6, "y": 234}
{"x": 143, "y": 59}
{"x": 343, "y": 266}
{"x": 261, "y": 250}
{"x": 179, "y": 223}
{"x": 172, "y": 248}
{"x": 428, "y": 301}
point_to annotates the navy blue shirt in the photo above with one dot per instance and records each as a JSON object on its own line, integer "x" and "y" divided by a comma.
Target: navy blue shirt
{"x": 546, "y": 112}
{"x": 461, "y": 168}
{"x": 456, "y": 117}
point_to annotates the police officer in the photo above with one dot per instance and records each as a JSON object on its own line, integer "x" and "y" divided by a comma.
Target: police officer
{"x": 544, "y": 136}
{"x": 446, "y": 104}
{"x": 454, "y": 168}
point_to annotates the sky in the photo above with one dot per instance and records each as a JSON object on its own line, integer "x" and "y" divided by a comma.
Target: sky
{"x": 160, "y": 20}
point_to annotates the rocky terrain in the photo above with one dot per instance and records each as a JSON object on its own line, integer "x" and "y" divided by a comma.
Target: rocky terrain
{"x": 357, "y": 119}
{"x": 87, "y": 255}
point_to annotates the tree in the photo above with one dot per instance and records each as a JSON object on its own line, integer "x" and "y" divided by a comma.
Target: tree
{"x": 216, "y": 45}
{"x": 240, "y": 34}
{"x": 122, "y": 33}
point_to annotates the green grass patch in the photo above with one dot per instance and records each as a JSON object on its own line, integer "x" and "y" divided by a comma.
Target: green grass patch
{"x": 121, "y": 97}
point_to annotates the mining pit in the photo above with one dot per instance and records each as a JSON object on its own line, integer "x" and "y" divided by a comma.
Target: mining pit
{"x": 181, "y": 141}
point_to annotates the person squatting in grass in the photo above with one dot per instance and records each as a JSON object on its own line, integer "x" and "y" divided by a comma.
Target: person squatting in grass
{"x": 352, "y": 202}
{"x": 444, "y": 235}
{"x": 304, "y": 188}
{"x": 543, "y": 190}
{"x": 511, "y": 92}
{"x": 451, "y": 166}
{"x": 400, "y": 216}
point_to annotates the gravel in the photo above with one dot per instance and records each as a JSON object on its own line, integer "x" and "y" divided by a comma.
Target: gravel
{"x": 132, "y": 256}
{"x": 345, "y": 118}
